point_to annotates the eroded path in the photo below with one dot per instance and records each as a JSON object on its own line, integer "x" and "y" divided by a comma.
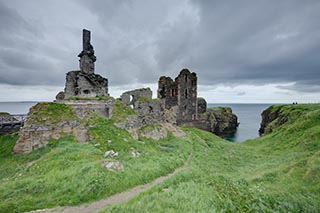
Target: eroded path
{"x": 114, "y": 199}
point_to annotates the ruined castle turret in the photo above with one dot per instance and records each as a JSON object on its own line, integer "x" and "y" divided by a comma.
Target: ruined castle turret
{"x": 85, "y": 83}
{"x": 187, "y": 96}
{"x": 181, "y": 93}
{"x": 87, "y": 57}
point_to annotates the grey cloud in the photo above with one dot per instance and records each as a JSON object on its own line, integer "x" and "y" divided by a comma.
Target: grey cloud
{"x": 225, "y": 42}
{"x": 309, "y": 86}
{"x": 241, "y": 93}
{"x": 27, "y": 57}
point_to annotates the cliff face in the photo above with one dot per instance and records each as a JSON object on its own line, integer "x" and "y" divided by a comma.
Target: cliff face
{"x": 49, "y": 121}
{"x": 46, "y": 121}
{"x": 219, "y": 120}
{"x": 272, "y": 118}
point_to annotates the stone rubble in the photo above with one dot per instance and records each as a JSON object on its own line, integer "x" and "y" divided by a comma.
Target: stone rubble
{"x": 135, "y": 153}
{"x": 110, "y": 154}
{"x": 112, "y": 165}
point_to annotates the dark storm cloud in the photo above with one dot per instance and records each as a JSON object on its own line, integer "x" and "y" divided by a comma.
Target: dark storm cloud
{"x": 25, "y": 55}
{"x": 225, "y": 42}
{"x": 255, "y": 41}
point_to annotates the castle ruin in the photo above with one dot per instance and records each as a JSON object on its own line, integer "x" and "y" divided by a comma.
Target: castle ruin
{"x": 85, "y": 92}
{"x": 84, "y": 83}
{"x": 177, "y": 102}
{"x": 182, "y": 93}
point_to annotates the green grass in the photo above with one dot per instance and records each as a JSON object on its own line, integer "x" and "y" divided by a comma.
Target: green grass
{"x": 68, "y": 173}
{"x": 50, "y": 113}
{"x": 146, "y": 99}
{"x": 121, "y": 111}
{"x": 279, "y": 172}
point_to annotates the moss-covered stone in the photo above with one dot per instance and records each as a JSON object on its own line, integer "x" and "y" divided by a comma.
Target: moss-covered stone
{"x": 50, "y": 113}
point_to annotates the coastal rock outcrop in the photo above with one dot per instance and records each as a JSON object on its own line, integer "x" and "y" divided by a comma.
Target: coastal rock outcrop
{"x": 272, "y": 117}
{"x": 9, "y": 123}
{"x": 220, "y": 121}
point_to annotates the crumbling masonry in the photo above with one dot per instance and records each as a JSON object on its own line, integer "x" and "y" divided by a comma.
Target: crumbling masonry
{"x": 182, "y": 93}
{"x": 177, "y": 104}
{"x": 85, "y": 83}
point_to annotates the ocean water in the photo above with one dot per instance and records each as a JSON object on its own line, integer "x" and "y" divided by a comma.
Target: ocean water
{"x": 16, "y": 107}
{"x": 249, "y": 116}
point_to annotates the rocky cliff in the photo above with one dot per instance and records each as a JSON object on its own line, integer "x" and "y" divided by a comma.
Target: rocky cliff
{"x": 219, "y": 120}
{"x": 9, "y": 124}
{"x": 49, "y": 121}
{"x": 45, "y": 122}
{"x": 272, "y": 118}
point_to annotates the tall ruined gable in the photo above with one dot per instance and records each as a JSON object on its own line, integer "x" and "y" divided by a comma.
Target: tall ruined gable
{"x": 181, "y": 92}
{"x": 187, "y": 96}
{"x": 168, "y": 91}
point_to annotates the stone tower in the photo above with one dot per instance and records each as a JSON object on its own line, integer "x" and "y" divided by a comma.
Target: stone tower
{"x": 187, "y": 96}
{"x": 87, "y": 57}
{"x": 168, "y": 91}
{"x": 182, "y": 92}
{"x": 84, "y": 83}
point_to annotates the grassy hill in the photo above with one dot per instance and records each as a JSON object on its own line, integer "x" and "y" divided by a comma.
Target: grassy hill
{"x": 277, "y": 172}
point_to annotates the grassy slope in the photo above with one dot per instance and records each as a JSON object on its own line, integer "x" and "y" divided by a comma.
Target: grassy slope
{"x": 278, "y": 171}
{"x": 69, "y": 173}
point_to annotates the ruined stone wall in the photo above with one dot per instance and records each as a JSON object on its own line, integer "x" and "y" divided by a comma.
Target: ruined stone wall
{"x": 187, "y": 96}
{"x": 85, "y": 85}
{"x": 81, "y": 108}
{"x": 182, "y": 93}
{"x": 130, "y": 97}
{"x": 168, "y": 92}
{"x": 34, "y": 135}
{"x": 150, "y": 112}
{"x": 152, "y": 121}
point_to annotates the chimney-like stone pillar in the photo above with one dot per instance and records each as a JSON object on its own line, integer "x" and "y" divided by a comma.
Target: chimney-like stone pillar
{"x": 87, "y": 57}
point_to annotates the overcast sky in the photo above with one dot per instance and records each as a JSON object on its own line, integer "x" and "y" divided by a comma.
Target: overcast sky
{"x": 248, "y": 51}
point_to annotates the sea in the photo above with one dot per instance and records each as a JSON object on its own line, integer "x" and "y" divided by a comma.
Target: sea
{"x": 249, "y": 116}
